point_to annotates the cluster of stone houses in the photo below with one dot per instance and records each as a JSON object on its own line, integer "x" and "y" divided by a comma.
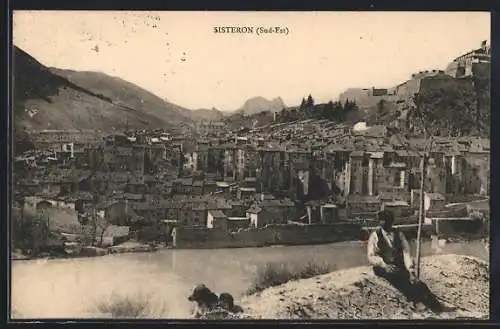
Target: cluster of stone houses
{"x": 264, "y": 177}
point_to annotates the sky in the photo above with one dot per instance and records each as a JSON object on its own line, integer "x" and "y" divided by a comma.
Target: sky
{"x": 177, "y": 55}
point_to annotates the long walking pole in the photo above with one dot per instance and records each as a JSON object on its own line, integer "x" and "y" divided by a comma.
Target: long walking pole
{"x": 421, "y": 214}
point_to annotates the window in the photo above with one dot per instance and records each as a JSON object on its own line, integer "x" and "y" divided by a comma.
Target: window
{"x": 397, "y": 178}
{"x": 386, "y": 160}
{"x": 338, "y": 163}
{"x": 366, "y": 160}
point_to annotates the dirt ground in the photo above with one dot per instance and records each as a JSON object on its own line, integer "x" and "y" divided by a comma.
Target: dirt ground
{"x": 460, "y": 282}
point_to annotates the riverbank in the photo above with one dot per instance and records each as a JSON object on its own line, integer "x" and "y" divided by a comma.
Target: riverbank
{"x": 356, "y": 293}
{"x": 79, "y": 251}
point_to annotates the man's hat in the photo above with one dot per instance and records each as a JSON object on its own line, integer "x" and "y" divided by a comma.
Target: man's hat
{"x": 384, "y": 215}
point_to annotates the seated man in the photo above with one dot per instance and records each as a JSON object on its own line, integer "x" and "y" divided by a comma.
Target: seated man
{"x": 389, "y": 254}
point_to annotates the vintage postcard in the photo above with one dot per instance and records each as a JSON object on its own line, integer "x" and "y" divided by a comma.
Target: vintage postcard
{"x": 250, "y": 165}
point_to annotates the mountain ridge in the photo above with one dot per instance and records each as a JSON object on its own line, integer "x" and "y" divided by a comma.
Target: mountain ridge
{"x": 47, "y": 97}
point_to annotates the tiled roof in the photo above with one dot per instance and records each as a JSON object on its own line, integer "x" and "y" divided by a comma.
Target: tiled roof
{"x": 377, "y": 155}
{"x": 82, "y": 195}
{"x": 407, "y": 153}
{"x": 276, "y": 203}
{"x": 357, "y": 153}
{"x": 217, "y": 214}
{"x": 254, "y": 209}
{"x": 363, "y": 199}
{"x": 435, "y": 196}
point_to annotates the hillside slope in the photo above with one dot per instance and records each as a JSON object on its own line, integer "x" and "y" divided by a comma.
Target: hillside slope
{"x": 49, "y": 98}
{"x": 357, "y": 294}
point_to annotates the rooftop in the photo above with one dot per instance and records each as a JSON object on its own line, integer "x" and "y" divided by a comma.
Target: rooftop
{"x": 217, "y": 214}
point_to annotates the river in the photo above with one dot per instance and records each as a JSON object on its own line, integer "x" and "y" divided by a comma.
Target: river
{"x": 71, "y": 288}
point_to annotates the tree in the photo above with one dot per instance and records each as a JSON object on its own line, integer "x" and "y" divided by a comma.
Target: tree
{"x": 102, "y": 225}
{"x": 338, "y": 112}
{"x": 383, "y": 113}
{"x": 93, "y": 229}
{"x": 449, "y": 110}
{"x": 481, "y": 80}
{"x": 28, "y": 232}
{"x": 453, "y": 107}
{"x": 307, "y": 108}
{"x": 310, "y": 101}
{"x": 382, "y": 110}
{"x": 351, "y": 111}
{"x": 31, "y": 235}
{"x": 283, "y": 116}
{"x": 303, "y": 104}
{"x": 22, "y": 142}
{"x": 328, "y": 111}
{"x": 350, "y": 106}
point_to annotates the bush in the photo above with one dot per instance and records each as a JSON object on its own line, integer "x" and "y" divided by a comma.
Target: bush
{"x": 275, "y": 274}
{"x": 125, "y": 306}
{"x": 29, "y": 233}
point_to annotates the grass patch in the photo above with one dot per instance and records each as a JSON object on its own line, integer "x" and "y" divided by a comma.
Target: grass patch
{"x": 125, "y": 306}
{"x": 275, "y": 274}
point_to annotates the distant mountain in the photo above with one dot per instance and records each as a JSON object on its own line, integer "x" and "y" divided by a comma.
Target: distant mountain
{"x": 51, "y": 98}
{"x": 260, "y": 104}
{"x": 206, "y": 115}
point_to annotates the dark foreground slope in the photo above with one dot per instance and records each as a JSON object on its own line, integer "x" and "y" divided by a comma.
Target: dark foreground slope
{"x": 460, "y": 282}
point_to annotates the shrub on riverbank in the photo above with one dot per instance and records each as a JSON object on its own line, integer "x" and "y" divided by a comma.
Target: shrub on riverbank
{"x": 31, "y": 236}
{"x": 125, "y": 306}
{"x": 275, "y": 274}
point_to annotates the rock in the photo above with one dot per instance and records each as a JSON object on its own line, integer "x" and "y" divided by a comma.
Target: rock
{"x": 18, "y": 255}
{"x": 221, "y": 314}
{"x": 131, "y": 246}
{"x": 90, "y": 251}
{"x": 74, "y": 245}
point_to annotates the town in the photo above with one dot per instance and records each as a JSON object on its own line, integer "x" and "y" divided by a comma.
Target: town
{"x": 192, "y": 186}
{"x": 340, "y": 183}
{"x": 207, "y": 177}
